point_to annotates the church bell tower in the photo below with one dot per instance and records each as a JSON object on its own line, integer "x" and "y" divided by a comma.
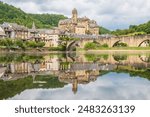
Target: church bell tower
{"x": 74, "y": 15}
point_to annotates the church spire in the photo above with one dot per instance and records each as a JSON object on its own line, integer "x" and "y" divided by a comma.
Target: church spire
{"x": 33, "y": 26}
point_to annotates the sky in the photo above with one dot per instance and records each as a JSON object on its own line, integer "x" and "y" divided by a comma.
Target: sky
{"x": 112, "y": 86}
{"x": 111, "y": 14}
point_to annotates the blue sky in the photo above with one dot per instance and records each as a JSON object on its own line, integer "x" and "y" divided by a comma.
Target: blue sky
{"x": 112, "y": 14}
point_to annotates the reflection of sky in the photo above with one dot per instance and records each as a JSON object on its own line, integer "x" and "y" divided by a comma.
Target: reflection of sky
{"x": 109, "y": 86}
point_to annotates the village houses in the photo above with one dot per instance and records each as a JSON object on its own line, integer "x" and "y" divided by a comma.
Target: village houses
{"x": 15, "y": 31}
{"x": 75, "y": 25}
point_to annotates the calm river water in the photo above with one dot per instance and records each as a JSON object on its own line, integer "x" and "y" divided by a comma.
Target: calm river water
{"x": 116, "y": 76}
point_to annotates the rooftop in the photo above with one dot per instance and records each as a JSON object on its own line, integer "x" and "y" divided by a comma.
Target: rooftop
{"x": 14, "y": 26}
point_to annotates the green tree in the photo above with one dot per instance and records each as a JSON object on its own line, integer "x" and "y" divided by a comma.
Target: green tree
{"x": 40, "y": 44}
{"x": 31, "y": 44}
{"x": 19, "y": 43}
{"x": 90, "y": 46}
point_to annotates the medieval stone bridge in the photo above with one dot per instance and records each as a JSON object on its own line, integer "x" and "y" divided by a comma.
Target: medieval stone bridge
{"x": 111, "y": 41}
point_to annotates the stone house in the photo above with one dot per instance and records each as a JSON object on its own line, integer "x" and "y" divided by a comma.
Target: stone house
{"x": 13, "y": 30}
{"x": 49, "y": 36}
{"x": 2, "y": 32}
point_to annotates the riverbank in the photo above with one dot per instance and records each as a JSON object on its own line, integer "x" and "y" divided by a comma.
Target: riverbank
{"x": 117, "y": 48}
{"x": 102, "y": 50}
{"x": 117, "y": 51}
{"x": 30, "y": 50}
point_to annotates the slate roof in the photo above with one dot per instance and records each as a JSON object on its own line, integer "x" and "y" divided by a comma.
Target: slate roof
{"x": 14, "y": 26}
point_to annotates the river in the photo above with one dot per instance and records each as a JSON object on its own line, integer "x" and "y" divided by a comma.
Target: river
{"x": 75, "y": 76}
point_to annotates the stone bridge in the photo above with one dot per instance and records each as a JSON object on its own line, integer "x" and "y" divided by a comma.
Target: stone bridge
{"x": 111, "y": 41}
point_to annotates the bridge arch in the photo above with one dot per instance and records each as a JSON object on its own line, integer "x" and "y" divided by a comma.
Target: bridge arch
{"x": 115, "y": 43}
{"x": 119, "y": 43}
{"x": 145, "y": 43}
{"x": 72, "y": 45}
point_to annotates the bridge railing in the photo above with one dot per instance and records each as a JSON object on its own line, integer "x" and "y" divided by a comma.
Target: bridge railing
{"x": 86, "y": 36}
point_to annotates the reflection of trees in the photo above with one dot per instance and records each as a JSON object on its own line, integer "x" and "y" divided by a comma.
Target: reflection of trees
{"x": 119, "y": 57}
{"x": 134, "y": 72}
{"x": 7, "y": 58}
{"x": 96, "y": 57}
{"x": 13, "y": 87}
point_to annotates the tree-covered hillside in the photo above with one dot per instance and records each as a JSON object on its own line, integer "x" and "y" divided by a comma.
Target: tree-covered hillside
{"x": 9, "y": 13}
{"x": 104, "y": 31}
{"x": 48, "y": 19}
{"x": 134, "y": 30}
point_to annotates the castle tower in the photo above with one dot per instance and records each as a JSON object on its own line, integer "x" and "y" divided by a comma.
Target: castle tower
{"x": 74, "y": 15}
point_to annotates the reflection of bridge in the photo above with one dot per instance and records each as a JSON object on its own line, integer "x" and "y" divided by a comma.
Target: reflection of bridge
{"x": 110, "y": 58}
{"x": 131, "y": 41}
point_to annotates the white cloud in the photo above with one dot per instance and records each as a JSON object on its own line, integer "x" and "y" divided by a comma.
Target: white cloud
{"x": 111, "y": 14}
{"x": 110, "y": 86}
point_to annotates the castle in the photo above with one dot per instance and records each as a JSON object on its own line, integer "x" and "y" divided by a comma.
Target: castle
{"x": 79, "y": 25}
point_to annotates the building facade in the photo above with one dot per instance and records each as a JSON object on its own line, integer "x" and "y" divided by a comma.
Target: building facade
{"x": 2, "y": 32}
{"x": 49, "y": 36}
{"x": 13, "y": 30}
{"x": 79, "y": 25}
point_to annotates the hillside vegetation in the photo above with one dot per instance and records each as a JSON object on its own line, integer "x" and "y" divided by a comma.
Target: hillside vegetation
{"x": 134, "y": 30}
{"x": 104, "y": 31}
{"x": 48, "y": 19}
{"x": 9, "y": 13}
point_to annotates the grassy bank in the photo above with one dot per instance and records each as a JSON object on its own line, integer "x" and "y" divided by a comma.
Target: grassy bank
{"x": 126, "y": 48}
{"x": 117, "y": 48}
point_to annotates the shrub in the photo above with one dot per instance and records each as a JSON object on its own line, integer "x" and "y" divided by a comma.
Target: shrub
{"x": 94, "y": 45}
{"x": 33, "y": 44}
{"x": 40, "y": 44}
{"x": 121, "y": 45}
{"x": 90, "y": 46}
{"x": 105, "y": 45}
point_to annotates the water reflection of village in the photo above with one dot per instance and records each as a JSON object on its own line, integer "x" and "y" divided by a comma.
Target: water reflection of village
{"x": 75, "y": 69}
